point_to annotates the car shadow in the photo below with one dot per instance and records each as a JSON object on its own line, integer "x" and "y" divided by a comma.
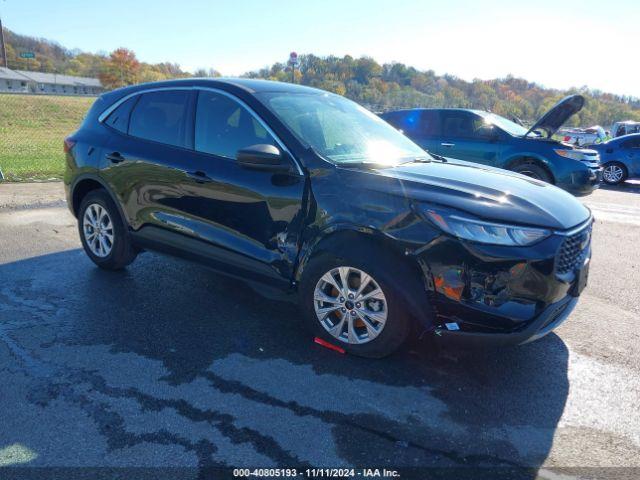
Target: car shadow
{"x": 630, "y": 186}
{"x": 167, "y": 334}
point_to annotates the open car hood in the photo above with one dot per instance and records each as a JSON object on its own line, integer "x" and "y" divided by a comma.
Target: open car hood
{"x": 551, "y": 121}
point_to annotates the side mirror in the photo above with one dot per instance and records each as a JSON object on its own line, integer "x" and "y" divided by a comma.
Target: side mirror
{"x": 262, "y": 157}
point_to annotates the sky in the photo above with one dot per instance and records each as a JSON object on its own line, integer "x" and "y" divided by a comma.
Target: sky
{"x": 558, "y": 44}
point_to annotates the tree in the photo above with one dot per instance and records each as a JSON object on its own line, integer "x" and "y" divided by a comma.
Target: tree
{"x": 201, "y": 72}
{"x": 121, "y": 69}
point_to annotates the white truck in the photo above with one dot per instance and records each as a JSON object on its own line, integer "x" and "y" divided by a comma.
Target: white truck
{"x": 625, "y": 128}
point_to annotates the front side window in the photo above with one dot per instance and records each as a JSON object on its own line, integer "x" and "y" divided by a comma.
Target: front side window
{"x": 223, "y": 126}
{"x": 340, "y": 130}
{"x": 461, "y": 125}
{"x": 504, "y": 124}
{"x": 160, "y": 117}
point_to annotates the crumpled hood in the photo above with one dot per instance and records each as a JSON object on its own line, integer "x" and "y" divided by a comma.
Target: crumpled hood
{"x": 486, "y": 192}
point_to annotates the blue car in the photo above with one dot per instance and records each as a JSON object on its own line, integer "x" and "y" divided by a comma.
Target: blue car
{"x": 620, "y": 158}
{"x": 489, "y": 139}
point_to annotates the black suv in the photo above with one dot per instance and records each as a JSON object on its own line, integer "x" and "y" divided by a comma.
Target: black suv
{"x": 288, "y": 186}
{"x": 489, "y": 139}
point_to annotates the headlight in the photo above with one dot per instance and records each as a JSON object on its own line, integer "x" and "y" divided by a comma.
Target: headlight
{"x": 567, "y": 153}
{"x": 485, "y": 232}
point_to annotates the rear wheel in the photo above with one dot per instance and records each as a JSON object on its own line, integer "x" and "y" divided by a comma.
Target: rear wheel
{"x": 354, "y": 305}
{"x": 534, "y": 171}
{"x": 614, "y": 173}
{"x": 103, "y": 233}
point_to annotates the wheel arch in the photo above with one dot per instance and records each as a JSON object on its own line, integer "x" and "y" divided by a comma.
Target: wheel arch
{"x": 349, "y": 240}
{"x": 530, "y": 158}
{"x": 87, "y": 183}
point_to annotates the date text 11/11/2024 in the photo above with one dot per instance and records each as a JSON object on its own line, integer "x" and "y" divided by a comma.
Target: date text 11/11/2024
{"x": 316, "y": 472}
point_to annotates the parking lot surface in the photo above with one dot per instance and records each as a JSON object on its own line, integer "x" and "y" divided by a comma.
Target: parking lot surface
{"x": 169, "y": 364}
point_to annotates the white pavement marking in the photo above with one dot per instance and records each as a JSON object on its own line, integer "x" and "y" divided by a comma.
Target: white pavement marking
{"x": 614, "y": 212}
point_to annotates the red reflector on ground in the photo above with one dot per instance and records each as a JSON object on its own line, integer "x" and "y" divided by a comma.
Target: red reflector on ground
{"x": 328, "y": 345}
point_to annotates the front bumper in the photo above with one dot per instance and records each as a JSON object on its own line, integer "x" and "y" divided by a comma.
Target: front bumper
{"x": 548, "y": 320}
{"x": 489, "y": 294}
{"x": 582, "y": 182}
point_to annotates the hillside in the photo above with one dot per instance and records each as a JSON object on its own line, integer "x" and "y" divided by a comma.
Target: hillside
{"x": 379, "y": 87}
{"x": 395, "y": 85}
{"x": 51, "y": 57}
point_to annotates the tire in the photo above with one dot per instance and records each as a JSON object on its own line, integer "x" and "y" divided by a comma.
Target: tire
{"x": 115, "y": 251}
{"x": 397, "y": 325}
{"x": 534, "y": 171}
{"x": 614, "y": 173}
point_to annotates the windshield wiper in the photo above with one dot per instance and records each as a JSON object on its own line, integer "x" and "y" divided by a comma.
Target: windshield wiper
{"x": 363, "y": 164}
{"x": 438, "y": 157}
{"x": 417, "y": 160}
{"x": 433, "y": 156}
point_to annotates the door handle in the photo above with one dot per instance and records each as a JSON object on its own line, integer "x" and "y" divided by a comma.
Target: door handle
{"x": 448, "y": 145}
{"x": 115, "y": 157}
{"x": 199, "y": 176}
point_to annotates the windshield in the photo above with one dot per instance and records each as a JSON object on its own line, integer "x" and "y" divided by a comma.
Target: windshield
{"x": 341, "y": 130}
{"x": 504, "y": 124}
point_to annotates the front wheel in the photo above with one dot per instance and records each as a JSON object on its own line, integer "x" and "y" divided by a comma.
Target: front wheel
{"x": 614, "y": 173}
{"x": 534, "y": 171}
{"x": 353, "y": 305}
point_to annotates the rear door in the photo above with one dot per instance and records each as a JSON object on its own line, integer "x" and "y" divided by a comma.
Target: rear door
{"x": 148, "y": 155}
{"x": 466, "y": 136}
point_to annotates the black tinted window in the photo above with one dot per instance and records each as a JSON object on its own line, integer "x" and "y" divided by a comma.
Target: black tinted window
{"x": 408, "y": 121}
{"x": 223, "y": 126}
{"x": 414, "y": 123}
{"x": 119, "y": 118}
{"x": 461, "y": 125}
{"x": 160, "y": 116}
{"x": 631, "y": 143}
{"x": 430, "y": 122}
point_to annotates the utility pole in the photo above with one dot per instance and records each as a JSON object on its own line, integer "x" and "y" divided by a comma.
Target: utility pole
{"x": 3, "y": 48}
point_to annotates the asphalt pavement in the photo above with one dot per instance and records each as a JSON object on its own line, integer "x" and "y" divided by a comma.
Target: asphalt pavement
{"x": 168, "y": 364}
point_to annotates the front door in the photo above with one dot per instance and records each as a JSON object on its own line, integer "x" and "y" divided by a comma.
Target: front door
{"x": 252, "y": 217}
{"x": 467, "y": 137}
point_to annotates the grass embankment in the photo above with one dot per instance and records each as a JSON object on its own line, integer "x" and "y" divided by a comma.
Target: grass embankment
{"x": 32, "y": 130}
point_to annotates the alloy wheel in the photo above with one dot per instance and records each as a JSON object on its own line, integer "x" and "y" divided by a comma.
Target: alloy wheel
{"x": 97, "y": 228}
{"x": 613, "y": 174}
{"x": 350, "y": 305}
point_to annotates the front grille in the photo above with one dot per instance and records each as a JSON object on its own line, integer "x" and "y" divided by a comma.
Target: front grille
{"x": 572, "y": 251}
{"x": 592, "y": 162}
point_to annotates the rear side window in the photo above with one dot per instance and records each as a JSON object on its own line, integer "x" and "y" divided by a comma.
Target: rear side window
{"x": 119, "y": 118}
{"x": 415, "y": 123}
{"x": 223, "y": 126}
{"x": 160, "y": 116}
{"x": 632, "y": 143}
{"x": 407, "y": 121}
{"x": 430, "y": 123}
